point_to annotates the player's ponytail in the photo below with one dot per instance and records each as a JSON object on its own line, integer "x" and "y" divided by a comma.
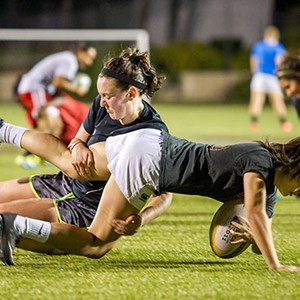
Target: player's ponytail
{"x": 286, "y": 156}
{"x": 133, "y": 67}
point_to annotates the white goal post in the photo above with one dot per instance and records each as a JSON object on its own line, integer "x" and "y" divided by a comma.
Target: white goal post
{"x": 139, "y": 36}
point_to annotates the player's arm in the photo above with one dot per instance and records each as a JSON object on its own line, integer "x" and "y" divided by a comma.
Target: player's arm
{"x": 255, "y": 203}
{"x": 63, "y": 84}
{"x": 82, "y": 156}
{"x": 155, "y": 208}
{"x": 253, "y": 64}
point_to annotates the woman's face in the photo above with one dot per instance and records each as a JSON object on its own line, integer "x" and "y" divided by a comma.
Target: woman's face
{"x": 287, "y": 186}
{"x": 116, "y": 101}
{"x": 86, "y": 58}
{"x": 290, "y": 87}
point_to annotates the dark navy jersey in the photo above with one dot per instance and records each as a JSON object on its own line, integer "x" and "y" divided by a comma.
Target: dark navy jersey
{"x": 100, "y": 126}
{"x": 216, "y": 172}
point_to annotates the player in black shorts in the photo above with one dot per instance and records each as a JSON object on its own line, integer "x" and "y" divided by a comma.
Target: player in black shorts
{"x": 252, "y": 171}
{"x": 120, "y": 109}
{"x": 76, "y": 201}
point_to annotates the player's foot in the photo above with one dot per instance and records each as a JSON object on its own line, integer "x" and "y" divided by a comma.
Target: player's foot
{"x": 254, "y": 126}
{"x": 9, "y": 238}
{"x": 286, "y": 126}
{"x": 1, "y": 122}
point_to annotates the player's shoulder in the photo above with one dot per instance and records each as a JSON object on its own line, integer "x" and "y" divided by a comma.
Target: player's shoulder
{"x": 258, "y": 44}
{"x": 65, "y": 56}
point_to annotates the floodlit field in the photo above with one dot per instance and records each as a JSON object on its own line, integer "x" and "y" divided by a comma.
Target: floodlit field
{"x": 170, "y": 258}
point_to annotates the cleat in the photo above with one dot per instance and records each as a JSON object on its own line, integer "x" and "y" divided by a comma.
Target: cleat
{"x": 286, "y": 126}
{"x": 29, "y": 162}
{"x": 1, "y": 122}
{"x": 9, "y": 238}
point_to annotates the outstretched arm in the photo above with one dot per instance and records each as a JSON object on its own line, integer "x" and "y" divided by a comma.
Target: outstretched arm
{"x": 255, "y": 203}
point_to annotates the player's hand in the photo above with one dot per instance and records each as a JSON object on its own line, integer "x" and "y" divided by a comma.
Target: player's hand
{"x": 242, "y": 234}
{"x": 127, "y": 227}
{"x": 83, "y": 161}
{"x": 82, "y": 91}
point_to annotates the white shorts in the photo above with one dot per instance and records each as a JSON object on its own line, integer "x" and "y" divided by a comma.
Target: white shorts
{"x": 265, "y": 83}
{"x": 134, "y": 162}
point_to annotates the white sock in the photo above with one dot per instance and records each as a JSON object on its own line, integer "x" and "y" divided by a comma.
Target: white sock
{"x": 11, "y": 134}
{"x": 33, "y": 229}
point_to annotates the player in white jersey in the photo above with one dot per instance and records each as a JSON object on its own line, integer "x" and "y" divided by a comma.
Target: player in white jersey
{"x": 52, "y": 75}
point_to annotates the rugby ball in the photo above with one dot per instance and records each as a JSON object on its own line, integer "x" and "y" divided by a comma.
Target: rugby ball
{"x": 221, "y": 224}
{"x": 83, "y": 81}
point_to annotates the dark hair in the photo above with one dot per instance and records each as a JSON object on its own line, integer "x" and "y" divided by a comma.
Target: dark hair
{"x": 289, "y": 68}
{"x": 285, "y": 156}
{"x": 135, "y": 65}
{"x": 80, "y": 46}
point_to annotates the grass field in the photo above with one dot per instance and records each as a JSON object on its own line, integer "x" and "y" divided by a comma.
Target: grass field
{"x": 170, "y": 258}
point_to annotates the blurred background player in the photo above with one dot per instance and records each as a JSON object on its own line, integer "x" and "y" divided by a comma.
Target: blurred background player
{"x": 61, "y": 117}
{"x": 264, "y": 59}
{"x": 51, "y": 77}
{"x": 288, "y": 74}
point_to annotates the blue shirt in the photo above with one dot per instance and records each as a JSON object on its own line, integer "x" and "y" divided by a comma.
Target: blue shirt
{"x": 265, "y": 54}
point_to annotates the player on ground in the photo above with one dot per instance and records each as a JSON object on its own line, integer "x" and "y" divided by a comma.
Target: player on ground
{"x": 58, "y": 198}
{"x": 150, "y": 161}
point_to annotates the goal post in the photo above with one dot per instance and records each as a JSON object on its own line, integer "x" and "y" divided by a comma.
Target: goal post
{"x": 22, "y": 48}
{"x": 139, "y": 36}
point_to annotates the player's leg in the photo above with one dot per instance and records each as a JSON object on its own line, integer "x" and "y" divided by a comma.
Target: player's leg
{"x": 37, "y": 247}
{"x": 68, "y": 238}
{"x": 257, "y": 100}
{"x": 47, "y": 147}
{"x": 100, "y": 237}
{"x": 39, "y": 143}
{"x": 40, "y": 209}
{"x": 15, "y": 189}
{"x": 279, "y": 107}
{"x": 53, "y": 150}
{"x": 32, "y": 102}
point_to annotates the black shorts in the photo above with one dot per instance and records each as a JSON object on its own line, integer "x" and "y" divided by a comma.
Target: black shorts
{"x": 70, "y": 209}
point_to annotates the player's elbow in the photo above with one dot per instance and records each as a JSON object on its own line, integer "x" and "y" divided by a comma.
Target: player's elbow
{"x": 96, "y": 251}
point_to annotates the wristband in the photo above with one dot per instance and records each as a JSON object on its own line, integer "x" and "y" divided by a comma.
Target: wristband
{"x": 71, "y": 146}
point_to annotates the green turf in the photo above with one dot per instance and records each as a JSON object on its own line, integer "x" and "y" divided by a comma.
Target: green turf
{"x": 171, "y": 257}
